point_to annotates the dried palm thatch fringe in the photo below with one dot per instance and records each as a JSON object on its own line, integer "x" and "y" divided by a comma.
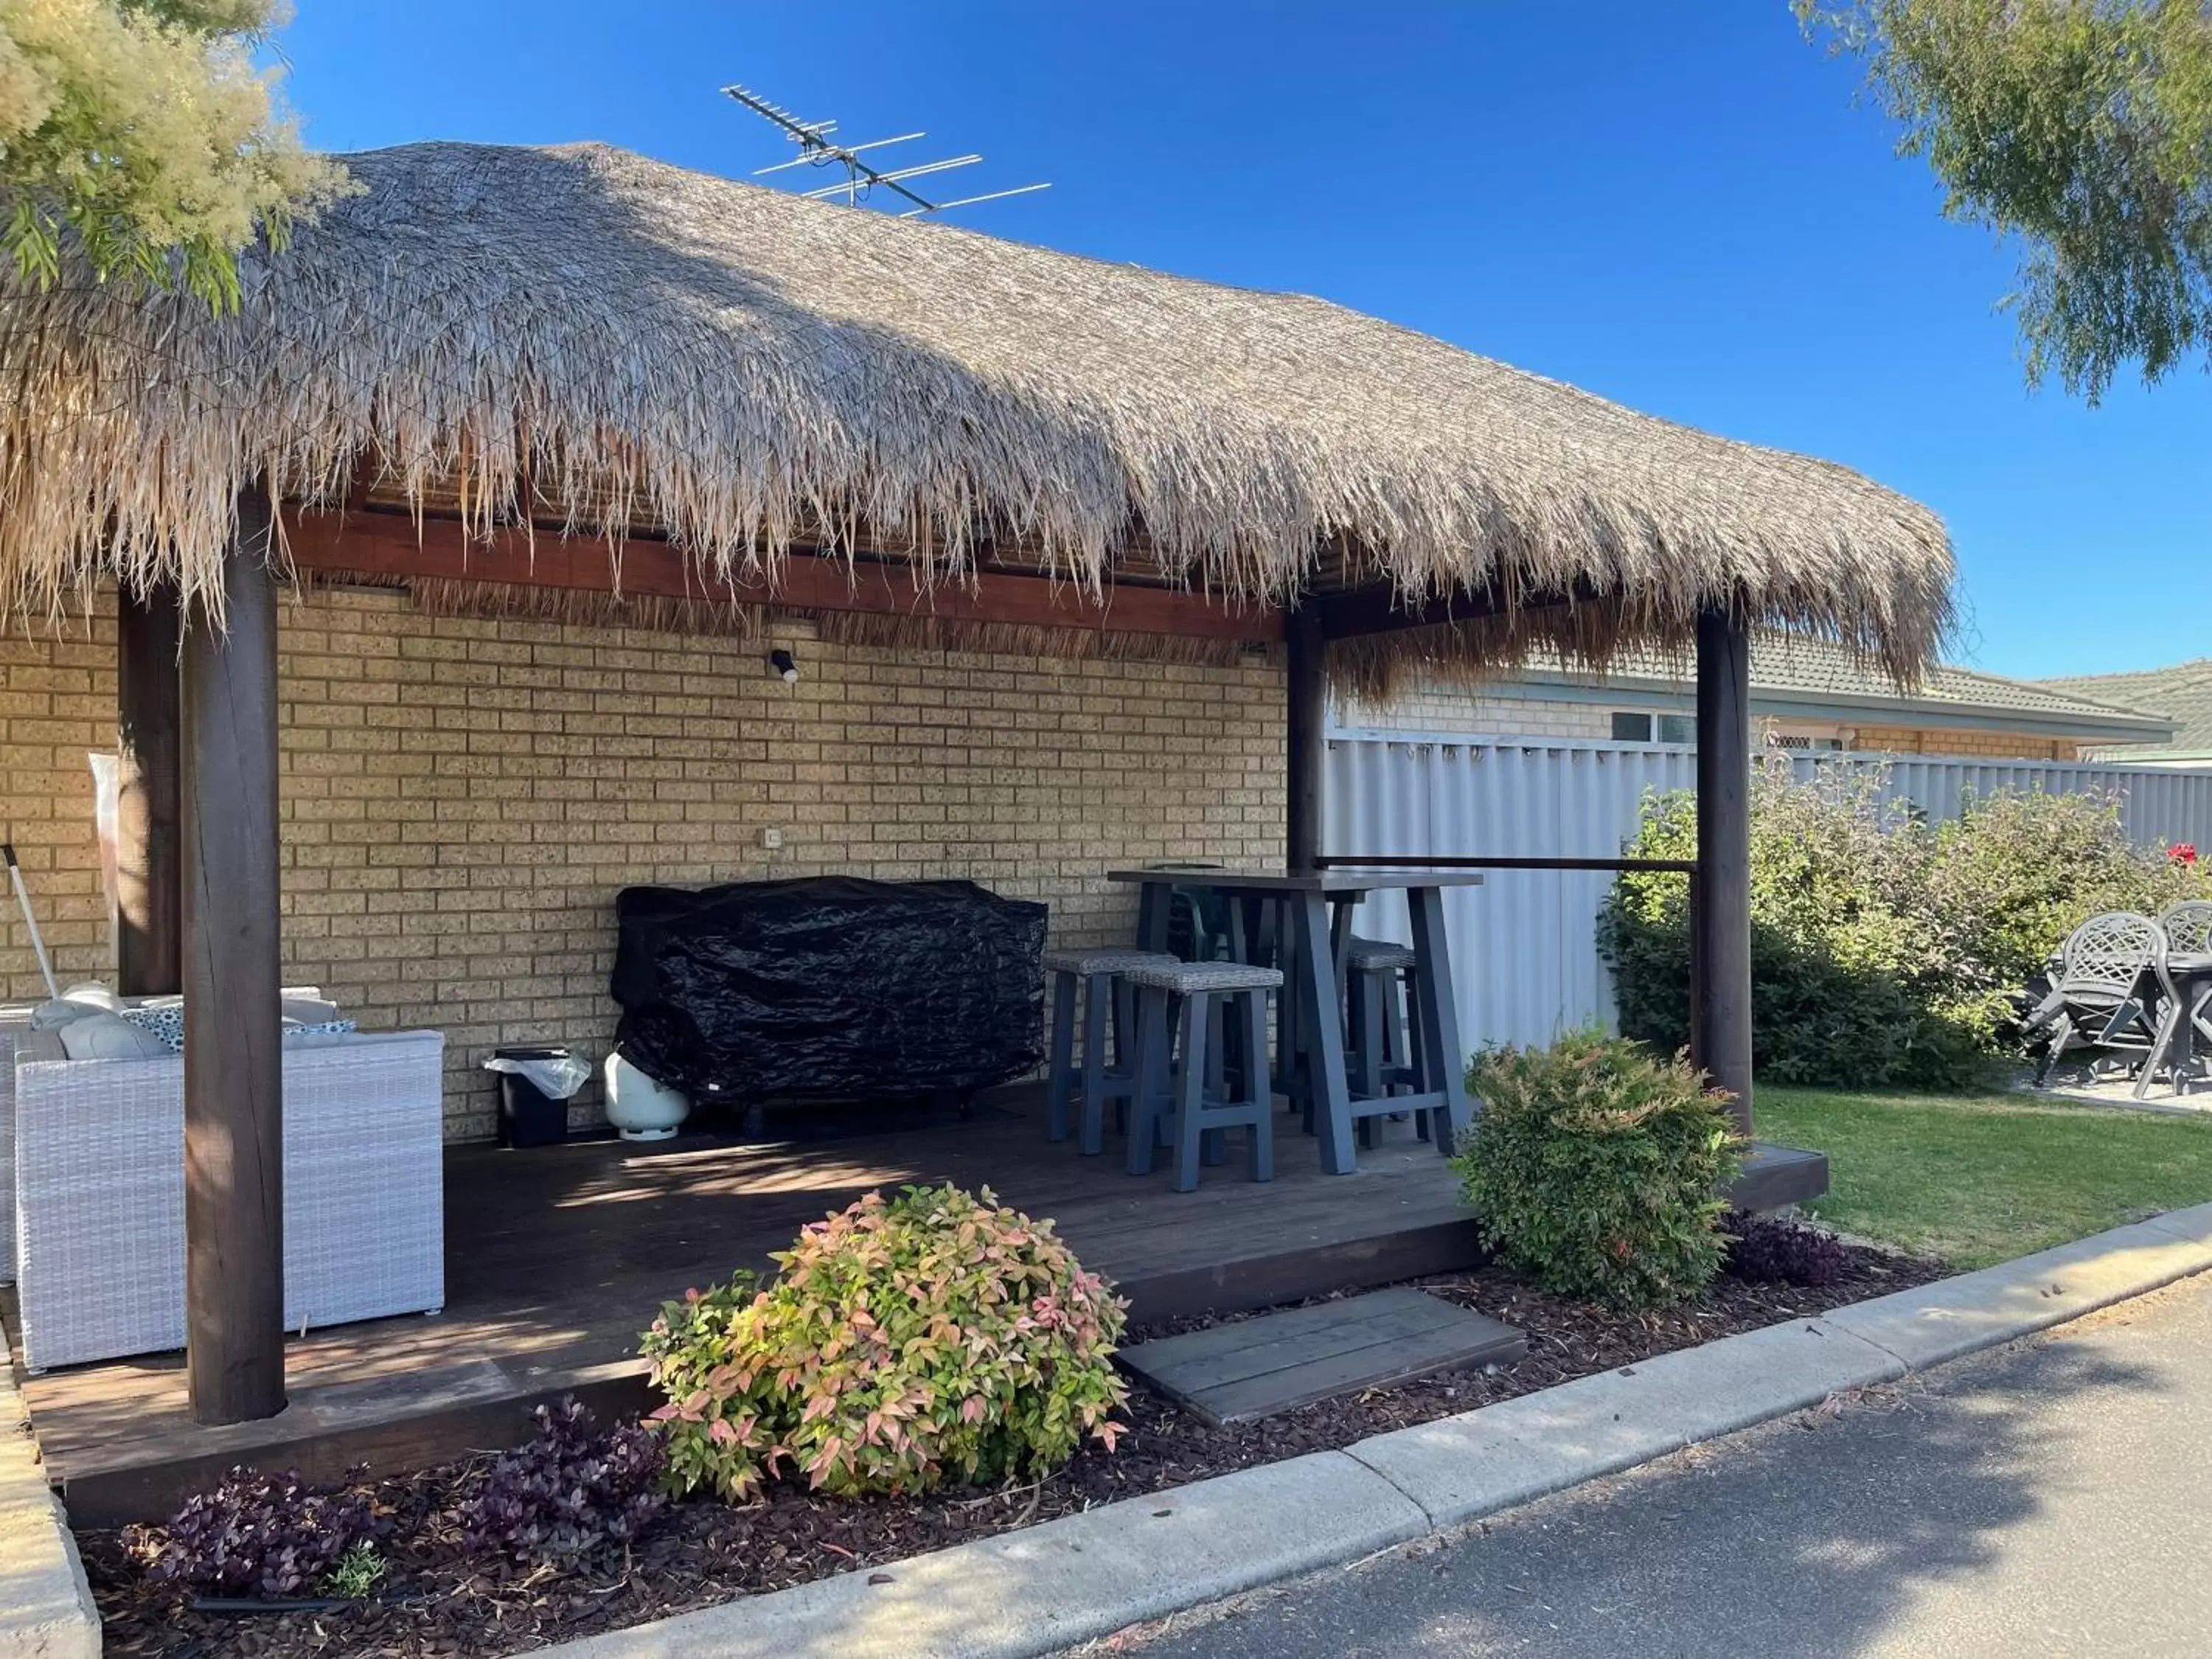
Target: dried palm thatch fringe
{"x": 622, "y": 345}
{"x": 440, "y": 596}
{"x": 1371, "y": 669}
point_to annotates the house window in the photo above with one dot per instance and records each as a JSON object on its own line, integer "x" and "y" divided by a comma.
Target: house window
{"x": 1636, "y": 728}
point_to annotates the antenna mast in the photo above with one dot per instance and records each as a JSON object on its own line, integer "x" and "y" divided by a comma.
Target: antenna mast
{"x": 817, "y": 148}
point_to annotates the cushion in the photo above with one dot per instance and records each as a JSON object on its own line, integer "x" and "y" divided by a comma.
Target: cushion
{"x": 304, "y": 1007}
{"x": 161, "y": 1021}
{"x": 1087, "y": 963}
{"x": 1376, "y": 954}
{"x": 110, "y": 1036}
{"x": 89, "y": 997}
{"x": 53, "y": 1015}
{"x": 164, "y": 1018}
{"x": 1185, "y": 978}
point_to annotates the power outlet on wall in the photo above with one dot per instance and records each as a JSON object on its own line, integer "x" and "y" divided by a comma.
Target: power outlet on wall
{"x": 771, "y": 839}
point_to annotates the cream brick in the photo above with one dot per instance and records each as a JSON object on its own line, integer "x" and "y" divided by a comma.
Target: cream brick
{"x": 462, "y": 799}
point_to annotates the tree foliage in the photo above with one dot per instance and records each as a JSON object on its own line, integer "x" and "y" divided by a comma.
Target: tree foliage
{"x": 2084, "y": 129}
{"x": 142, "y": 129}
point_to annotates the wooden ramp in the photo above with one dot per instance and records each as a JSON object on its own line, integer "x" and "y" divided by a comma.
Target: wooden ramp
{"x": 1280, "y": 1361}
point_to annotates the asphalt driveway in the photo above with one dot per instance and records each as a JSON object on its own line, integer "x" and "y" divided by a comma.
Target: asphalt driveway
{"x": 2052, "y": 1497}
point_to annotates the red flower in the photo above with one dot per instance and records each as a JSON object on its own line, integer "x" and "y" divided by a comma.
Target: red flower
{"x": 2182, "y": 852}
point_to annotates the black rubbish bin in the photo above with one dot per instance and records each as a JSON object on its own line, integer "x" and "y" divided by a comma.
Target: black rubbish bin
{"x": 528, "y": 1116}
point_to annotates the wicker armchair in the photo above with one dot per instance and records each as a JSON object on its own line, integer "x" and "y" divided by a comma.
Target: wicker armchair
{"x": 99, "y": 1192}
{"x": 2102, "y": 998}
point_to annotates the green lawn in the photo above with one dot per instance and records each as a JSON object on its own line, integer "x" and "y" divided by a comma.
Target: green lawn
{"x": 1975, "y": 1179}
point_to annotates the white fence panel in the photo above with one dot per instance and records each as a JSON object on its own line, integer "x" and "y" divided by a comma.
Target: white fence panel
{"x": 2157, "y": 805}
{"x": 1523, "y": 945}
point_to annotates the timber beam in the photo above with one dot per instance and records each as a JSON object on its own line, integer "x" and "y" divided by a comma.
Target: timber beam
{"x": 372, "y": 544}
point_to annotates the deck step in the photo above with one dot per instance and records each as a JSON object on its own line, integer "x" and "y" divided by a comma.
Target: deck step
{"x": 1275, "y": 1362}
{"x": 1775, "y": 1176}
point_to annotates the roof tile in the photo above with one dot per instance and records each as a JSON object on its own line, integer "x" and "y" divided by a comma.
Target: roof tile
{"x": 2182, "y": 693}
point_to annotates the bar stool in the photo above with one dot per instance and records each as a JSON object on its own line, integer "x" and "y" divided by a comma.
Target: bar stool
{"x": 1174, "y": 1068}
{"x": 1097, "y": 974}
{"x": 1382, "y": 1018}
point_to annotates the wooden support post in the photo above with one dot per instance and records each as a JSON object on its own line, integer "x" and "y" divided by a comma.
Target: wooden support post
{"x": 1696, "y": 910}
{"x": 149, "y": 870}
{"x": 1721, "y": 1001}
{"x": 1307, "y": 710}
{"x": 233, "y": 1076}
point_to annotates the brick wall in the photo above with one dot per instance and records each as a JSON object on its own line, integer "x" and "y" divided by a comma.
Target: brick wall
{"x": 1499, "y": 713}
{"x": 1477, "y": 714}
{"x": 1979, "y": 746}
{"x": 462, "y": 799}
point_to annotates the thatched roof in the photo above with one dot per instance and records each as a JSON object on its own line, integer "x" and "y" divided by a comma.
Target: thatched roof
{"x": 631, "y": 347}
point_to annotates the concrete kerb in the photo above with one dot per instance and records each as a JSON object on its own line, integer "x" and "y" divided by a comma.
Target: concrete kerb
{"x": 1461, "y": 1468}
{"x": 1065, "y": 1582}
{"x": 1955, "y": 1316}
{"x": 46, "y": 1609}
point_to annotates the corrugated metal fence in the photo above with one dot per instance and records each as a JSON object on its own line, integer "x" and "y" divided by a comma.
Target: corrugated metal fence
{"x": 1523, "y": 944}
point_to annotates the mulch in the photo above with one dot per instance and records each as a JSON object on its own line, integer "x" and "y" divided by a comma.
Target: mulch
{"x": 438, "y": 1600}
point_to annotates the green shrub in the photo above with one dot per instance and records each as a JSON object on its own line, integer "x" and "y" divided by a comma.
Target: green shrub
{"x": 935, "y": 1336}
{"x": 1597, "y": 1167}
{"x": 1883, "y": 952}
{"x": 2017, "y": 873}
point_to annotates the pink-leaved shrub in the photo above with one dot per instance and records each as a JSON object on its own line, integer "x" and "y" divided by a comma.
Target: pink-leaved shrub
{"x": 938, "y": 1336}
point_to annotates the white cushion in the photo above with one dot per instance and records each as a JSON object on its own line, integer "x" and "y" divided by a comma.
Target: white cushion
{"x": 110, "y": 1036}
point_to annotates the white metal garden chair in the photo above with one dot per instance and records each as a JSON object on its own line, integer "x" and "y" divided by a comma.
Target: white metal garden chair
{"x": 2102, "y": 998}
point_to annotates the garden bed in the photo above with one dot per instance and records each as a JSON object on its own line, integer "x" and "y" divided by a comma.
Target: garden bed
{"x": 438, "y": 1600}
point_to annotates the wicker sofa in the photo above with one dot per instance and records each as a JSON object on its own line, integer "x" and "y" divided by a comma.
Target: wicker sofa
{"x": 100, "y": 1191}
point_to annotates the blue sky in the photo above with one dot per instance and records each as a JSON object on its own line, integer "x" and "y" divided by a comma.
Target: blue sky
{"x": 1680, "y": 206}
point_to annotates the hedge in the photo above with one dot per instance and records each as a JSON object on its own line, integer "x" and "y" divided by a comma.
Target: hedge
{"x": 1885, "y": 952}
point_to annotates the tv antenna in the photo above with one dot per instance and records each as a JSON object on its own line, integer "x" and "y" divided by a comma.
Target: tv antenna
{"x": 818, "y": 148}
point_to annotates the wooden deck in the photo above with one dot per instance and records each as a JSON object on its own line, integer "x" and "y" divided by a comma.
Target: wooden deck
{"x": 557, "y": 1257}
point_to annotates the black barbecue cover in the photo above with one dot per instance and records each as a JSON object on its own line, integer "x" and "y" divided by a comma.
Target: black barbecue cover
{"x": 830, "y": 987}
